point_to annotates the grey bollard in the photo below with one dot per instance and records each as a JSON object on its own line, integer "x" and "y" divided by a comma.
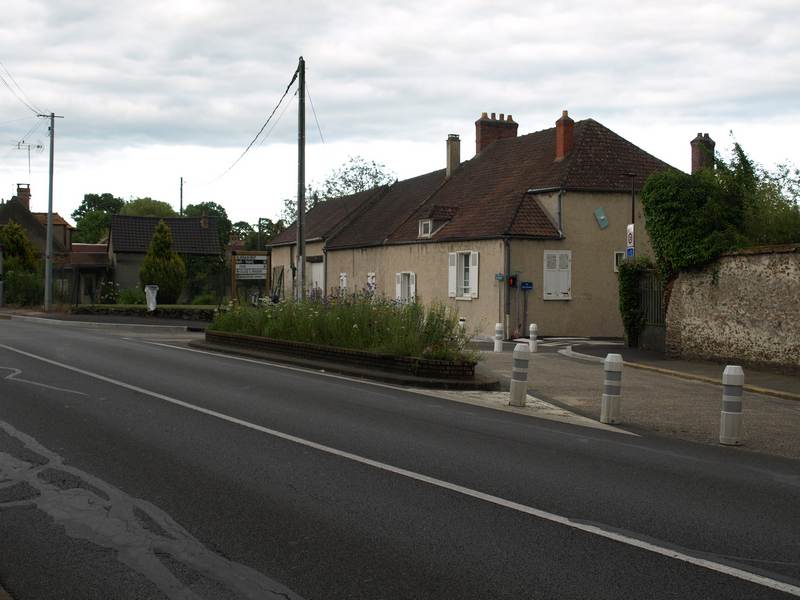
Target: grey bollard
{"x": 533, "y": 342}
{"x": 519, "y": 375}
{"x": 730, "y": 420}
{"x": 498, "y": 337}
{"x": 612, "y": 389}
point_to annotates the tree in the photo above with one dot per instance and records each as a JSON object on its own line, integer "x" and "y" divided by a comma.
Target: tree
{"x": 693, "y": 218}
{"x": 355, "y": 175}
{"x": 268, "y": 230}
{"x": 212, "y": 209}
{"x": 93, "y": 216}
{"x": 242, "y": 229}
{"x": 18, "y": 252}
{"x": 147, "y": 207}
{"x": 163, "y": 267}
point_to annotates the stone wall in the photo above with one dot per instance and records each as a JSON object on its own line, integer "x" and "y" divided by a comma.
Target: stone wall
{"x": 744, "y": 309}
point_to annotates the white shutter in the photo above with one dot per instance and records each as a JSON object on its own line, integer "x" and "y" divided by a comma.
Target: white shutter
{"x": 550, "y": 284}
{"x": 565, "y": 274}
{"x": 473, "y": 274}
{"x": 398, "y": 289}
{"x": 451, "y": 274}
{"x": 412, "y": 287}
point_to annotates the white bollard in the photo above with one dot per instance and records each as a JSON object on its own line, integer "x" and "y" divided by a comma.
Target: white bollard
{"x": 730, "y": 420}
{"x": 151, "y": 293}
{"x": 612, "y": 389}
{"x": 519, "y": 375}
{"x": 533, "y": 342}
{"x": 498, "y": 337}
{"x": 462, "y": 323}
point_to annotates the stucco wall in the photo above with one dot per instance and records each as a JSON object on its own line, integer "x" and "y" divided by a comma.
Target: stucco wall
{"x": 593, "y": 309}
{"x": 284, "y": 256}
{"x": 126, "y": 270}
{"x": 430, "y": 263}
{"x": 742, "y": 309}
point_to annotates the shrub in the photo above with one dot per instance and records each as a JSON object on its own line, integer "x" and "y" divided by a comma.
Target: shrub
{"x": 630, "y": 307}
{"x": 371, "y": 324}
{"x": 163, "y": 267}
{"x": 205, "y": 299}
{"x": 132, "y": 296}
{"x": 23, "y": 288}
{"x": 109, "y": 292}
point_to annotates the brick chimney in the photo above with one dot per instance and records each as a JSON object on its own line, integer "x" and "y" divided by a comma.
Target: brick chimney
{"x": 453, "y": 154}
{"x": 702, "y": 152}
{"x": 564, "y": 135}
{"x": 489, "y": 130}
{"x": 24, "y": 194}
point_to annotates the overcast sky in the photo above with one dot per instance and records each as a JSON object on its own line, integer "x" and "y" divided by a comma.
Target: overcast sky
{"x": 154, "y": 90}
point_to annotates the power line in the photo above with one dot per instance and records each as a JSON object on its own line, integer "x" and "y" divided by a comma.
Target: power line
{"x": 278, "y": 120}
{"x": 15, "y": 120}
{"x": 17, "y": 96}
{"x": 29, "y": 101}
{"x": 253, "y": 141}
{"x": 314, "y": 111}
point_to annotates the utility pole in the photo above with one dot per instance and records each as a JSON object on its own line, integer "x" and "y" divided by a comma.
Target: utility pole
{"x": 181, "y": 213}
{"x": 48, "y": 266}
{"x": 301, "y": 180}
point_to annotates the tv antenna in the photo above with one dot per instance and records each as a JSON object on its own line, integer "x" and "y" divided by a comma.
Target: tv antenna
{"x": 22, "y": 145}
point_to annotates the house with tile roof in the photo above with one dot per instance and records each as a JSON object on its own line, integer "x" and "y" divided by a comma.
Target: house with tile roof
{"x": 531, "y": 229}
{"x": 130, "y": 237}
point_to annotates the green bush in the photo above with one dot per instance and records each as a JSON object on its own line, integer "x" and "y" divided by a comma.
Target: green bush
{"x": 109, "y": 292}
{"x": 163, "y": 267}
{"x": 205, "y": 299}
{"x": 371, "y": 324}
{"x": 132, "y": 296}
{"x": 23, "y": 288}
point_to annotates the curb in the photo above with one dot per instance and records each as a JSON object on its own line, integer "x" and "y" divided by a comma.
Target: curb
{"x": 96, "y": 325}
{"x": 570, "y": 353}
{"x": 389, "y": 377}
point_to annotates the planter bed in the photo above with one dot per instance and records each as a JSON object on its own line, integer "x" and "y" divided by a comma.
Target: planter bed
{"x": 167, "y": 311}
{"x": 419, "y": 367}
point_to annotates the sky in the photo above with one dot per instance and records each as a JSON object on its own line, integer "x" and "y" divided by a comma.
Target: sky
{"x": 153, "y": 91}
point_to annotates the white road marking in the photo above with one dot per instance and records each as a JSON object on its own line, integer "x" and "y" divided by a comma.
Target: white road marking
{"x": 496, "y": 500}
{"x": 13, "y": 377}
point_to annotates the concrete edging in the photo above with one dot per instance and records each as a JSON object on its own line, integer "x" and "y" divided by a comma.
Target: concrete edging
{"x": 570, "y": 353}
{"x": 96, "y": 325}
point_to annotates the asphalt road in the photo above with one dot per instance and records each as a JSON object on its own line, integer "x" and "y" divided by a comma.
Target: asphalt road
{"x": 135, "y": 470}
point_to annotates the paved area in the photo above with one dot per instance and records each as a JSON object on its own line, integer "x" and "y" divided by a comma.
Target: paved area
{"x": 104, "y": 319}
{"x": 657, "y": 402}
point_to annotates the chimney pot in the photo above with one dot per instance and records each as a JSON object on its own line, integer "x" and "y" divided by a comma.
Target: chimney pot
{"x": 453, "y": 154}
{"x": 564, "y": 135}
{"x": 484, "y": 115}
{"x": 702, "y": 152}
{"x": 488, "y": 131}
{"x": 24, "y": 194}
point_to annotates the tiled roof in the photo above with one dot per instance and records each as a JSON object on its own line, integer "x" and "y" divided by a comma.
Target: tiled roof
{"x": 13, "y": 210}
{"x": 490, "y": 189}
{"x": 133, "y": 234}
{"x": 325, "y": 218}
{"x": 57, "y": 219}
{"x": 378, "y": 221}
{"x": 80, "y": 247}
{"x": 487, "y": 196}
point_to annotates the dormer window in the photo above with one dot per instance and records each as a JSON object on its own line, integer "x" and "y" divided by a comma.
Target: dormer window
{"x": 425, "y": 228}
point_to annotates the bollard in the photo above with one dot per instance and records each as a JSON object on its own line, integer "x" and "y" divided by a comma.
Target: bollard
{"x": 462, "y": 323}
{"x": 498, "y": 337}
{"x": 533, "y": 342}
{"x": 730, "y": 419}
{"x": 519, "y": 375}
{"x": 612, "y": 389}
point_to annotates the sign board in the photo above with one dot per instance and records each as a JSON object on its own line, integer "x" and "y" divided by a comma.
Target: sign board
{"x": 526, "y": 285}
{"x": 629, "y": 253}
{"x": 629, "y": 238}
{"x": 499, "y": 276}
{"x": 251, "y": 266}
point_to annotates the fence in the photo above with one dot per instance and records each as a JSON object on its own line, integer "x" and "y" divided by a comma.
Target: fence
{"x": 651, "y": 296}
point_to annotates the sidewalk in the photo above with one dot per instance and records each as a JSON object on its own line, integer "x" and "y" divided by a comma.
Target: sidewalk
{"x": 655, "y": 401}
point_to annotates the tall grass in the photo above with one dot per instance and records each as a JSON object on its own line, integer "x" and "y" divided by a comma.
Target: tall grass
{"x": 360, "y": 322}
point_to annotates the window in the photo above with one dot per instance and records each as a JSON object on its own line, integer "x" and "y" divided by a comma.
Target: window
{"x": 619, "y": 256}
{"x": 405, "y": 286}
{"x": 557, "y": 275}
{"x": 462, "y": 276}
{"x": 343, "y": 283}
{"x": 425, "y": 228}
{"x": 371, "y": 283}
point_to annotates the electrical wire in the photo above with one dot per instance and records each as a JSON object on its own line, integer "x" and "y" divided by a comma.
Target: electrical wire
{"x": 15, "y": 120}
{"x": 313, "y": 110}
{"x": 253, "y": 141}
{"x": 29, "y": 101}
{"x": 278, "y": 120}
{"x": 17, "y": 96}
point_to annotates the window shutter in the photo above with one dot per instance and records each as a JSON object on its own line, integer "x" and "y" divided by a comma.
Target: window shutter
{"x": 398, "y": 282}
{"x": 550, "y": 284}
{"x": 412, "y": 286}
{"x": 473, "y": 274}
{"x": 451, "y": 275}
{"x": 564, "y": 274}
